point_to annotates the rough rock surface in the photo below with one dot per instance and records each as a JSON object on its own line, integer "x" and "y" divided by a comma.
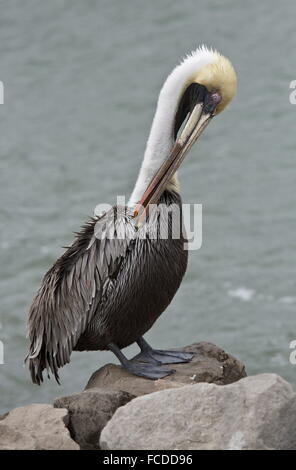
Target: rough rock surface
{"x": 89, "y": 412}
{"x": 256, "y": 412}
{"x": 36, "y": 427}
{"x": 210, "y": 364}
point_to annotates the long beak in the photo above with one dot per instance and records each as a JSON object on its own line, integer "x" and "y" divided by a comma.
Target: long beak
{"x": 197, "y": 122}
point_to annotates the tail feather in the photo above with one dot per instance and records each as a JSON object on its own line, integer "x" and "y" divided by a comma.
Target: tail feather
{"x": 37, "y": 363}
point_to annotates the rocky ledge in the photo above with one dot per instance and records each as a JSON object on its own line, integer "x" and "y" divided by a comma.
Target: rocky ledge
{"x": 208, "y": 403}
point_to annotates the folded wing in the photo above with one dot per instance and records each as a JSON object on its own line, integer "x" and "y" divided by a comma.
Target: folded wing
{"x": 71, "y": 290}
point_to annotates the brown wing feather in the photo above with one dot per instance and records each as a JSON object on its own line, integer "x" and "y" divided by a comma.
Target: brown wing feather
{"x": 71, "y": 290}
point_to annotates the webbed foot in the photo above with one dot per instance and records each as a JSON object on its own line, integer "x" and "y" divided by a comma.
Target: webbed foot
{"x": 151, "y": 371}
{"x": 158, "y": 356}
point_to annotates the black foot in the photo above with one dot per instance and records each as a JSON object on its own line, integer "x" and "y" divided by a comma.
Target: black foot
{"x": 148, "y": 371}
{"x": 157, "y": 356}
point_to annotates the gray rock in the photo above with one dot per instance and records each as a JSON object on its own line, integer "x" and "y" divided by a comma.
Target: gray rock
{"x": 36, "y": 427}
{"x": 210, "y": 364}
{"x": 89, "y": 412}
{"x": 258, "y": 412}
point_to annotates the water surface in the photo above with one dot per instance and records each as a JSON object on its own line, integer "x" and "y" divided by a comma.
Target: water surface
{"x": 81, "y": 82}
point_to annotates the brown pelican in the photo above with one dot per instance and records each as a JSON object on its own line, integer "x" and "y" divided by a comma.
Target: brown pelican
{"x": 109, "y": 287}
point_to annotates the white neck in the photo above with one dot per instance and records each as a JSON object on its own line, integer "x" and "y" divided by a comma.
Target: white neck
{"x": 161, "y": 138}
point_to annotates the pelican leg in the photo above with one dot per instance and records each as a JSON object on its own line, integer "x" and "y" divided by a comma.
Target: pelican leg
{"x": 148, "y": 371}
{"x": 159, "y": 356}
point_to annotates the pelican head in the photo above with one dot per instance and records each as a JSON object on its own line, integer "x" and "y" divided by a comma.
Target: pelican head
{"x": 194, "y": 93}
{"x": 218, "y": 77}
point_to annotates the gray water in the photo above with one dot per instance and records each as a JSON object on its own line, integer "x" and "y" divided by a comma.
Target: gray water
{"x": 81, "y": 81}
